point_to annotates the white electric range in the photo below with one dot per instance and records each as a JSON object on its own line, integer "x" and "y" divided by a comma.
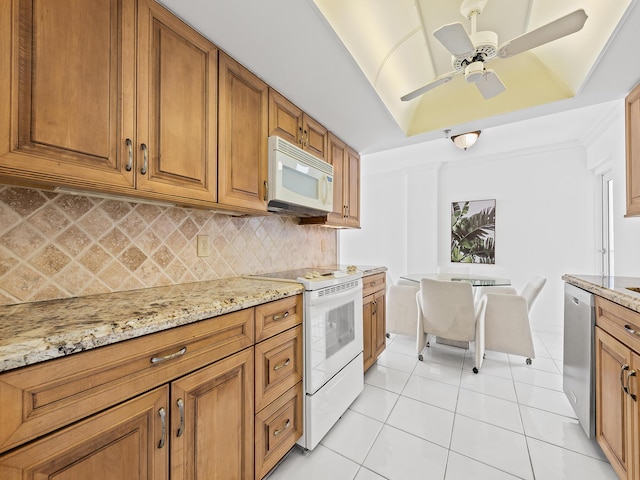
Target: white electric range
{"x": 333, "y": 359}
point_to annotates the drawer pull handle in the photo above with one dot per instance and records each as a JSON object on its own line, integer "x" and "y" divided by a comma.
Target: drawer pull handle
{"x": 145, "y": 152}
{"x": 163, "y": 422}
{"x": 129, "y": 164}
{"x": 622, "y": 370}
{"x": 286, "y": 425}
{"x": 171, "y": 356}
{"x": 631, "y": 330}
{"x": 180, "y": 403}
{"x": 282, "y": 365}
{"x": 280, "y": 317}
{"x": 632, "y": 373}
{"x": 373, "y": 284}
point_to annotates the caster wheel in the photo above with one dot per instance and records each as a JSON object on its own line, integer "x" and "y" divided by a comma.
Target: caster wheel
{"x": 388, "y": 335}
{"x": 428, "y": 344}
{"x": 420, "y": 357}
{"x": 475, "y": 370}
{"x": 529, "y": 361}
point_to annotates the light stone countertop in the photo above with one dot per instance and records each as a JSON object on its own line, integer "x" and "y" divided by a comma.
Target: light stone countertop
{"x": 35, "y": 332}
{"x": 371, "y": 269}
{"x": 611, "y": 288}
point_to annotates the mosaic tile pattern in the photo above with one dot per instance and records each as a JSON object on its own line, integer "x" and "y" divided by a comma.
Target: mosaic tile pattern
{"x": 55, "y": 245}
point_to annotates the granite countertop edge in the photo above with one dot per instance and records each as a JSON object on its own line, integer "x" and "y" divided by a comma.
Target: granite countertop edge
{"x": 614, "y": 289}
{"x": 34, "y": 332}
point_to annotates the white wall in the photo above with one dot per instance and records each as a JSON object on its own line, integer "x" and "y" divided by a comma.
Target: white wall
{"x": 607, "y": 152}
{"x": 546, "y": 212}
{"x": 544, "y": 219}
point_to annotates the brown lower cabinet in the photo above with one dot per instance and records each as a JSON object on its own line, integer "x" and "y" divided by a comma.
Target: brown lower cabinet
{"x": 374, "y": 317}
{"x": 617, "y": 364}
{"x": 176, "y": 404}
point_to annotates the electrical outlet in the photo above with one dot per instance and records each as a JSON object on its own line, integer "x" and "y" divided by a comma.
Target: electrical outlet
{"x": 203, "y": 245}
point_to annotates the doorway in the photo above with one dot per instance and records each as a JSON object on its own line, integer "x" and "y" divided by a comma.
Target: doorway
{"x": 607, "y": 245}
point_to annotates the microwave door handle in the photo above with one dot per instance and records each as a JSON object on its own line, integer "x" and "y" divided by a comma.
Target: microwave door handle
{"x": 325, "y": 189}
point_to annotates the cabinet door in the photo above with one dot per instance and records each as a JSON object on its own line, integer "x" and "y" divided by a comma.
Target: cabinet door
{"x": 177, "y": 88}
{"x": 633, "y": 151}
{"x": 314, "y": 137}
{"x": 124, "y": 443}
{"x": 612, "y": 412}
{"x": 380, "y": 324}
{"x": 634, "y": 393}
{"x": 212, "y": 421}
{"x": 285, "y": 119}
{"x": 243, "y": 132}
{"x": 67, "y": 87}
{"x": 368, "y": 331}
{"x": 337, "y": 153}
{"x": 351, "y": 185}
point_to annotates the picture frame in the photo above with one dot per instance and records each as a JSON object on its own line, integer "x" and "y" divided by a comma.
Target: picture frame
{"x": 473, "y": 226}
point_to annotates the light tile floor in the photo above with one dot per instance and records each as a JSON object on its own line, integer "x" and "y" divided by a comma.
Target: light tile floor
{"x": 436, "y": 419}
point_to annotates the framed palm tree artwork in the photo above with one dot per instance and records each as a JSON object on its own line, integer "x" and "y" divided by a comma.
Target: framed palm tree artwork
{"x": 473, "y": 230}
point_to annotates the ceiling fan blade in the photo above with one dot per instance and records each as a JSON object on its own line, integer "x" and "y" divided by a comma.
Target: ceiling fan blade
{"x": 429, "y": 86}
{"x": 559, "y": 28}
{"x": 490, "y": 84}
{"x": 455, "y": 39}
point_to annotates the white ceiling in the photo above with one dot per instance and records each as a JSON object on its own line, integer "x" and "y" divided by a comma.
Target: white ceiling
{"x": 290, "y": 45}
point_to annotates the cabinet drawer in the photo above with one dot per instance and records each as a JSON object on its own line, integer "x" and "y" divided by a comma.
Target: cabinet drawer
{"x": 278, "y": 366}
{"x": 275, "y": 317}
{"x": 373, "y": 283}
{"x": 620, "y": 322}
{"x": 43, "y": 397}
{"x": 278, "y": 427}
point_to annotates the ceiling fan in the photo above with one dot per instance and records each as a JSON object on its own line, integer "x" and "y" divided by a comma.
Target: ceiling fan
{"x": 470, "y": 52}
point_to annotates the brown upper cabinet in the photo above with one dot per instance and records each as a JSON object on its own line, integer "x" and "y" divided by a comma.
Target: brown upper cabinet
{"x": 346, "y": 187}
{"x": 293, "y": 125}
{"x": 632, "y": 117}
{"x": 242, "y": 140}
{"x": 85, "y": 108}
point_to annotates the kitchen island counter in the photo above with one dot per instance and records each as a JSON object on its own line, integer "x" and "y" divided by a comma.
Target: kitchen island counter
{"x": 615, "y": 289}
{"x": 35, "y": 332}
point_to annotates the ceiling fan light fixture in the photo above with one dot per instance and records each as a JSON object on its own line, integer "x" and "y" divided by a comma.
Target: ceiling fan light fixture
{"x": 465, "y": 140}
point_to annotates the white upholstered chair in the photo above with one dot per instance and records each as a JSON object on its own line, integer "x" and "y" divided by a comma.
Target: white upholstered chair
{"x": 445, "y": 309}
{"x": 402, "y": 310}
{"x": 503, "y": 318}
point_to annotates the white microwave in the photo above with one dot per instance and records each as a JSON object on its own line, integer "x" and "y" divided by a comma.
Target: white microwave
{"x": 300, "y": 184}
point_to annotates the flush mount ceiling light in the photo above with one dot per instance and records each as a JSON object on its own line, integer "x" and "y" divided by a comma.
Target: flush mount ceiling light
{"x": 465, "y": 140}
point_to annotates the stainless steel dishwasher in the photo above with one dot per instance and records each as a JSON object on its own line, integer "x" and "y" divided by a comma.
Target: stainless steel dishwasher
{"x": 578, "y": 373}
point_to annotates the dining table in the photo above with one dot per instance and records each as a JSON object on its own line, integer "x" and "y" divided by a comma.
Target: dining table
{"x": 473, "y": 279}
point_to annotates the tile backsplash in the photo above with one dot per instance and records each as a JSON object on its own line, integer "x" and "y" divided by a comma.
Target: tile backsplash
{"x": 55, "y": 245}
